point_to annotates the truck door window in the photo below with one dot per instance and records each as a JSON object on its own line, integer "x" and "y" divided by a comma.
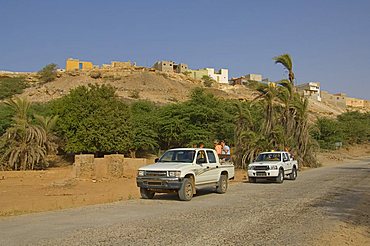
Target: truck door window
{"x": 201, "y": 157}
{"x": 285, "y": 157}
{"x": 211, "y": 156}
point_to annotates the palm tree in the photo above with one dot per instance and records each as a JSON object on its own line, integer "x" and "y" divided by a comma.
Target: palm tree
{"x": 48, "y": 123}
{"x": 286, "y": 61}
{"x": 304, "y": 142}
{"x": 24, "y": 142}
{"x": 249, "y": 139}
{"x": 268, "y": 93}
{"x": 286, "y": 95}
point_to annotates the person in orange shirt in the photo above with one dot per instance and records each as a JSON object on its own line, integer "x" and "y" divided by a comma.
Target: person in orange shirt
{"x": 218, "y": 147}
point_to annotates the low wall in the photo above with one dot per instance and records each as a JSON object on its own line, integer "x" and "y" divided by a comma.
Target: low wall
{"x": 116, "y": 166}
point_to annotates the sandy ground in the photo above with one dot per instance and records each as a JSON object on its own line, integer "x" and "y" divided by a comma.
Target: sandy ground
{"x": 34, "y": 191}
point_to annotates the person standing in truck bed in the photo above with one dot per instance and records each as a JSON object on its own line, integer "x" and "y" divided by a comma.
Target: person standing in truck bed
{"x": 218, "y": 147}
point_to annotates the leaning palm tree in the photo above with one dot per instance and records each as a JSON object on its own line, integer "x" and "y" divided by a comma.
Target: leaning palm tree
{"x": 286, "y": 61}
{"x": 24, "y": 142}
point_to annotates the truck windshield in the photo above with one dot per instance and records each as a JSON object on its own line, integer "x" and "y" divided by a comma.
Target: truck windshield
{"x": 269, "y": 157}
{"x": 184, "y": 156}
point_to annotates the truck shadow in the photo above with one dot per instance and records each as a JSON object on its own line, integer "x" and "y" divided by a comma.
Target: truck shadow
{"x": 174, "y": 196}
{"x": 266, "y": 181}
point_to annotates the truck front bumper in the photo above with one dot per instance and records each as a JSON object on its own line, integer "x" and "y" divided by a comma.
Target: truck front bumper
{"x": 263, "y": 174}
{"x": 156, "y": 183}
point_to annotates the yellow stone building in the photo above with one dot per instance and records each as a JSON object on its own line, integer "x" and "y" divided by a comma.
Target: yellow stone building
{"x": 75, "y": 64}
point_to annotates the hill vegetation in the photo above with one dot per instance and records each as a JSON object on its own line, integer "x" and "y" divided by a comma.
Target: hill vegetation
{"x": 10, "y": 86}
{"x": 94, "y": 119}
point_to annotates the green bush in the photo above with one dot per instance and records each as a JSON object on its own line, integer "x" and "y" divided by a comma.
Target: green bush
{"x": 11, "y": 86}
{"x": 95, "y": 74}
{"x": 349, "y": 128}
{"x": 134, "y": 94}
{"x": 6, "y": 114}
{"x": 208, "y": 81}
{"x": 48, "y": 73}
{"x": 327, "y": 132}
{"x": 355, "y": 126}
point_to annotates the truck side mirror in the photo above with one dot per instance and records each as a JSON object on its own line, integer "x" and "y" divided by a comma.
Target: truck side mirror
{"x": 156, "y": 160}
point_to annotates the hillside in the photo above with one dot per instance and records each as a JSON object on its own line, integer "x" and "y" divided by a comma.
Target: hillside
{"x": 143, "y": 83}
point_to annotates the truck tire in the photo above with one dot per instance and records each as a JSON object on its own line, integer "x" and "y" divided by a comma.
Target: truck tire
{"x": 252, "y": 180}
{"x": 186, "y": 191}
{"x": 146, "y": 194}
{"x": 222, "y": 184}
{"x": 280, "y": 177}
{"x": 293, "y": 175}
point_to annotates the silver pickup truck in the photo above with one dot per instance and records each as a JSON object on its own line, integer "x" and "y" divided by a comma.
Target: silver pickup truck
{"x": 274, "y": 166}
{"x": 184, "y": 170}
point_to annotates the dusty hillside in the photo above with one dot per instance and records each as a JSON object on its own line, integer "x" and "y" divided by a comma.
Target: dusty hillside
{"x": 159, "y": 87}
{"x": 147, "y": 85}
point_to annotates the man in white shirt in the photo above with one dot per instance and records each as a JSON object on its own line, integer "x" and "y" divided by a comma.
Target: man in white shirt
{"x": 225, "y": 148}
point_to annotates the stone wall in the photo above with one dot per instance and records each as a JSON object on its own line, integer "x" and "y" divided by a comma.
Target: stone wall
{"x": 110, "y": 166}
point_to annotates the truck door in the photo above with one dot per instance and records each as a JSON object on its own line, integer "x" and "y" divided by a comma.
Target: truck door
{"x": 287, "y": 163}
{"x": 214, "y": 166}
{"x": 203, "y": 168}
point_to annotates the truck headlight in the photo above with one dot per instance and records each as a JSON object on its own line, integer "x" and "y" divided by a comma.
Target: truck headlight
{"x": 176, "y": 174}
{"x": 273, "y": 167}
{"x": 140, "y": 173}
{"x": 250, "y": 167}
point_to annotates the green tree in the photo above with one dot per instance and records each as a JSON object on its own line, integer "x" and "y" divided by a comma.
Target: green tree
{"x": 304, "y": 144}
{"x": 249, "y": 137}
{"x": 201, "y": 119}
{"x": 48, "y": 73}
{"x": 23, "y": 144}
{"x": 93, "y": 120}
{"x": 143, "y": 124}
{"x": 268, "y": 93}
{"x": 48, "y": 124}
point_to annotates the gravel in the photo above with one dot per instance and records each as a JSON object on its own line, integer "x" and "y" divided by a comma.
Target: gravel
{"x": 293, "y": 213}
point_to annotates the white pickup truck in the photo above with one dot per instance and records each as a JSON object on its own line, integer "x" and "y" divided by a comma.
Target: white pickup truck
{"x": 184, "y": 170}
{"x": 273, "y": 165}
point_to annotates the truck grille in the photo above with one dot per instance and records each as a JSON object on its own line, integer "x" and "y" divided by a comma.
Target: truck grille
{"x": 156, "y": 173}
{"x": 261, "y": 167}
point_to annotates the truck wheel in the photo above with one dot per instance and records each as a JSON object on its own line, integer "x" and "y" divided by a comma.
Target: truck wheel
{"x": 293, "y": 175}
{"x": 252, "y": 180}
{"x": 222, "y": 184}
{"x": 186, "y": 191}
{"x": 280, "y": 177}
{"x": 146, "y": 194}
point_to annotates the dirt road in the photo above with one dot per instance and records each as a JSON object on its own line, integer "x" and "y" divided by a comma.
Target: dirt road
{"x": 324, "y": 206}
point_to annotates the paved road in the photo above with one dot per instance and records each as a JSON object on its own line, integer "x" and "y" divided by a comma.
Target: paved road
{"x": 292, "y": 213}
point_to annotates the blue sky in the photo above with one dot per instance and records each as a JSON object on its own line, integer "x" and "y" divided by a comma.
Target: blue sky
{"x": 328, "y": 40}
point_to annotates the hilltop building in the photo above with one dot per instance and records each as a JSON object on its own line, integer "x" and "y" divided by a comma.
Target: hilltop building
{"x": 246, "y": 79}
{"x": 220, "y": 76}
{"x": 119, "y": 64}
{"x": 75, "y": 64}
{"x": 170, "y": 66}
{"x": 311, "y": 90}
